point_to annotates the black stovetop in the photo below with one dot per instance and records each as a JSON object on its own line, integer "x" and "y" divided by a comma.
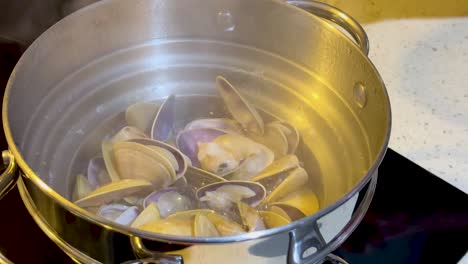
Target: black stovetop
{"x": 415, "y": 217}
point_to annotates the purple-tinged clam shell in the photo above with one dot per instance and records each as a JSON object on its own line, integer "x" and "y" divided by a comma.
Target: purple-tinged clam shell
{"x": 97, "y": 174}
{"x": 239, "y": 108}
{"x": 187, "y": 141}
{"x": 164, "y": 121}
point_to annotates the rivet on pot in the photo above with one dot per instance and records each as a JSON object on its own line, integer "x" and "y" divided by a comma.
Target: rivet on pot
{"x": 360, "y": 96}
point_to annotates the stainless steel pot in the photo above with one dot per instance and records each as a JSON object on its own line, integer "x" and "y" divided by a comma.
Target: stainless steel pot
{"x": 90, "y": 66}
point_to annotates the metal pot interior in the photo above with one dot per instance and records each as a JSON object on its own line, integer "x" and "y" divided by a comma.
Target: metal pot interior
{"x": 72, "y": 85}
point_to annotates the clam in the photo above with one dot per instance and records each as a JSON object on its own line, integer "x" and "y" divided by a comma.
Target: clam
{"x": 272, "y": 219}
{"x": 187, "y": 141}
{"x": 239, "y": 108}
{"x": 222, "y": 195}
{"x": 279, "y": 166}
{"x": 223, "y": 124}
{"x": 298, "y": 204}
{"x": 291, "y": 134}
{"x": 114, "y": 191}
{"x": 149, "y": 214}
{"x": 141, "y": 115}
{"x": 163, "y": 123}
{"x": 280, "y": 211}
{"x": 97, "y": 174}
{"x": 274, "y": 139}
{"x": 225, "y": 226}
{"x": 251, "y": 156}
{"x": 224, "y": 153}
{"x": 82, "y": 187}
{"x": 107, "y": 155}
{"x": 250, "y": 217}
{"x": 170, "y": 226}
{"x": 111, "y": 211}
{"x": 198, "y": 178}
{"x": 127, "y": 133}
{"x": 175, "y": 157}
{"x": 294, "y": 180}
{"x": 169, "y": 201}
{"x": 118, "y": 213}
{"x": 203, "y": 227}
{"x": 190, "y": 213}
{"x": 137, "y": 161}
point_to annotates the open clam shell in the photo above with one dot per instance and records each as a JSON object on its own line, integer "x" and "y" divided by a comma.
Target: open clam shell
{"x": 149, "y": 214}
{"x": 298, "y": 204}
{"x": 164, "y": 121}
{"x": 295, "y": 180}
{"x": 127, "y": 133}
{"x": 280, "y": 211}
{"x": 223, "y": 195}
{"x": 239, "y": 108}
{"x": 111, "y": 211}
{"x": 203, "y": 227}
{"x": 272, "y": 219}
{"x": 225, "y": 226}
{"x": 114, "y": 191}
{"x": 198, "y": 178}
{"x": 187, "y": 141}
{"x": 274, "y": 139}
{"x": 175, "y": 156}
{"x": 170, "y": 226}
{"x": 279, "y": 166}
{"x": 223, "y": 124}
{"x": 97, "y": 174}
{"x": 82, "y": 187}
{"x": 250, "y": 217}
{"x": 290, "y": 132}
{"x": 253, "y": 157}
{"x": 169, "y": 201}
{"x": 141, "y": 115}
{"x": 136, "y": 161}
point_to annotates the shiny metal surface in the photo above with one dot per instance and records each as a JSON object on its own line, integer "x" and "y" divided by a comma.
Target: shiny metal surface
{"x": 9, "y": 176}
{"x": 80, "y": 74}
{"x": 338, "y": 17}
{"x": 259, "y": 250}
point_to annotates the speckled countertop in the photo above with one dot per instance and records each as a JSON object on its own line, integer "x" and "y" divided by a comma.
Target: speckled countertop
{"x": 424, "y": 63}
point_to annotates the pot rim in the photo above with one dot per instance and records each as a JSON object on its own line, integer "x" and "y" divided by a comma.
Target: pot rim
{"x": 70, "y": 206}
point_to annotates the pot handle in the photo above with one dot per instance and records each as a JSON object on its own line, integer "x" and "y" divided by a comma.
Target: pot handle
{"x": 338, "y": 17}
{"x": 148, "y": 256}
{"x": 9, "y": 176}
